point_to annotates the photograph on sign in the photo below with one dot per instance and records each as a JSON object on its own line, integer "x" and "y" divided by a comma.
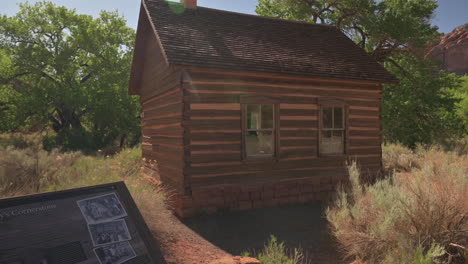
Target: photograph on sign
{"x": 101, "y": 208}
{"x": 109, "y": 232}
{"x": 115, "y": 253}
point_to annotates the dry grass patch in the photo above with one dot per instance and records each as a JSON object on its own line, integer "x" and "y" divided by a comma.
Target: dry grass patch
{"x": 25, "y": 168}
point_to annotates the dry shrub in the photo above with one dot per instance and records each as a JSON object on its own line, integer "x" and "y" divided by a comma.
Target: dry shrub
{"x": 152, "y": 203}
{"x": 458, "y": 145}
{"x": 29, "y": 169}
{"x": 26, "y": 168}
{"x": 420, "y": 216}
{"x": 396, "y": 157}
{"x": 19, "y": 140}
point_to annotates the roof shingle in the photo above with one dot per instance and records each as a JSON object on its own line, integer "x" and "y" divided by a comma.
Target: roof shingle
{"x": 213, "y": 38}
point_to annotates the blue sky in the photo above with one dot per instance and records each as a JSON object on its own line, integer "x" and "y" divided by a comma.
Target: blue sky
{"x": 451, "y": 13}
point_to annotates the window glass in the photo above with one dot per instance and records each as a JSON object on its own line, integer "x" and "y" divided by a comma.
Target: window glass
{"x": 332, "y": 142}
{"x": 326, "y": 136}
{"x": 259, "y": 116}
{"x": 267, "y": 116}
{"x": 333, "y": 132}
{"x": 337, "y": 134}
{"x": 327, "y": 117}
{"x": 338, "y": 117}
{"x": 253, "y": 113}
{"x": 260, "y": 135}
{"x": 259, "y": 143}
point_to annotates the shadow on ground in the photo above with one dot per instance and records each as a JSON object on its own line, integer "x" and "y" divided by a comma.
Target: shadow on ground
{"x": 301, "y": 226}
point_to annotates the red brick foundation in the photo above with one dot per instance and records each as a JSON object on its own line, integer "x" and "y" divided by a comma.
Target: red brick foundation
{"x": 246, "y": 197}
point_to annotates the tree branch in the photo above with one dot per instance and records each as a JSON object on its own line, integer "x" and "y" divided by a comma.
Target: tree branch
{"x": 405, "y": 72}
{"x": 87, "y": 77}
{"x": 44, "y": 74}
{"x": 12, "y": 78}
{"x": 362, "y": 43}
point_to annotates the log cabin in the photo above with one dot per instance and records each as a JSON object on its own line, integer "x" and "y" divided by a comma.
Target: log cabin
{"x": 242, "y": 111}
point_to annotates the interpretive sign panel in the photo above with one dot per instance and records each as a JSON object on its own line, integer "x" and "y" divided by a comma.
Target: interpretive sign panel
{"x": 91, "y": 225}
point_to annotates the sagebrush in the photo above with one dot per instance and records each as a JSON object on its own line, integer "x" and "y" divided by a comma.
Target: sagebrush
{"x": 418, "y": 215}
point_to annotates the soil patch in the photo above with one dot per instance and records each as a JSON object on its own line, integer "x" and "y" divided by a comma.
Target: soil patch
{"x": 298, "y": 226}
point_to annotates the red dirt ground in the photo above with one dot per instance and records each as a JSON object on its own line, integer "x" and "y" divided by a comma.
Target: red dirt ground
{"x": 207, "y": 238}
{"x": 181, "y": 245}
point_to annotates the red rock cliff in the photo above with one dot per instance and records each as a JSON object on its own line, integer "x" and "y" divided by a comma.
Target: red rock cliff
{"x": 452, "y": 51}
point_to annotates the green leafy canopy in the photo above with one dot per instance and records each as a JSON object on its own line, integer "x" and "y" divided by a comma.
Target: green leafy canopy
{"x": 421, "y": 108}
{"x": 381, "y": 27}
{"x": 67, "y": 71}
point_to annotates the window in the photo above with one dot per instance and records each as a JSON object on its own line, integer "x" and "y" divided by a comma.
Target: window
{"x": 332, "y": 130}
{"x": 259, "y": 130}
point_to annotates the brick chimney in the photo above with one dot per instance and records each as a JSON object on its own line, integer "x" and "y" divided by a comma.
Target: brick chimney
{"x": 189, "y": 3}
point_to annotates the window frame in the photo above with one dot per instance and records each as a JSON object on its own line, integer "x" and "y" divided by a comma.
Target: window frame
{"x": 260, "y": 100}
{"x": 332, "y": 103}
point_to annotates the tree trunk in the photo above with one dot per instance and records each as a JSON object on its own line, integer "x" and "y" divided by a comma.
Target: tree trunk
{"x": 122, "y": 140}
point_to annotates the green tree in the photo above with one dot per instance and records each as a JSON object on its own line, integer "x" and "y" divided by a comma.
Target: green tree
{"x": 69, "y": 72}
{"x": 8, "y": 121}
{"x": 462, "y": 105}
{"x": 395, "y": 32}
{"x": 383, "y": 28}
{"x": 421, "y": 108}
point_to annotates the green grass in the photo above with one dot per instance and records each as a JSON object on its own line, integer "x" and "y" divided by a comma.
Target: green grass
{"x": 275, "y": 252}
{"x": 89, "y": 170}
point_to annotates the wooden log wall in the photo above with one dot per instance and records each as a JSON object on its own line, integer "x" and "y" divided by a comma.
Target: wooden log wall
{"x": 216, "y": 171}
{"x": 162, "y": 113}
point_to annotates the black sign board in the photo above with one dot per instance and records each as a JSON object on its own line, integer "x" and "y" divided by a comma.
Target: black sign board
{"x": 92, "y": 225}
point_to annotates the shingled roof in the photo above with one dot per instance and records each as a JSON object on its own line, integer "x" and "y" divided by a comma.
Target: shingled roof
{"x": 206, "y": 37}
